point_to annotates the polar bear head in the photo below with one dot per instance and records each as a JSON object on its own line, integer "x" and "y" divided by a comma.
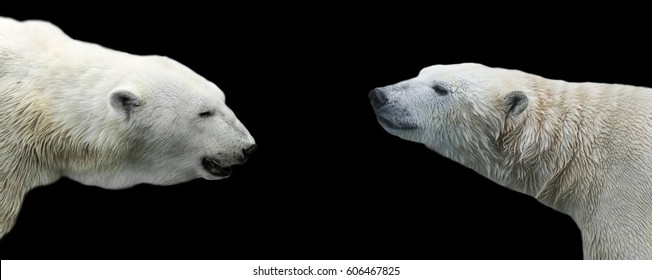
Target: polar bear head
{"x": 164, "y": 124}
{"x": 460, "y": 111}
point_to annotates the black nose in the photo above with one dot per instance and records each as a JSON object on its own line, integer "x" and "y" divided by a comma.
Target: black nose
{"x": 249, "y": 150}
{"x": 378, "y": 97}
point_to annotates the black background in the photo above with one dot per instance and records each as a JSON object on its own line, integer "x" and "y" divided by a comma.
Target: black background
{"x": 327, "y": 182}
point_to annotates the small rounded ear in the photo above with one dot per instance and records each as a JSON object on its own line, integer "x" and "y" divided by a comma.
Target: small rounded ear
{"x": 516, "y": 102}
{"x": 124, "y": 101}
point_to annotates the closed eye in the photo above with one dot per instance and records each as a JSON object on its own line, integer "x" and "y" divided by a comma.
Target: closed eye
{"x": 206, "y": 114}
{"x": 441, "y": 90}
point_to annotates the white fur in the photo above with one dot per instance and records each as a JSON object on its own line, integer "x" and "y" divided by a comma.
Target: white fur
{"x": 57, "y": 119}
{"x": 584, "y": 149}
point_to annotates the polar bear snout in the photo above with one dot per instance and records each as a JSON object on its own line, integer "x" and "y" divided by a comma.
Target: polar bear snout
{"x": 221, "y": 166}
{"x": 378, "y": 98}
{"x": 391, "y": 114}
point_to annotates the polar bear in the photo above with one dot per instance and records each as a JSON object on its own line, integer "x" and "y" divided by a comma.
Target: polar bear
{"x": 584, "y": 149}
{"x": 104, "y": 118}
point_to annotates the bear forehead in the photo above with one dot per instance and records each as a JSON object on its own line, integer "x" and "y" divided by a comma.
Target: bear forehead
{"x": 462, "y": 71}
{"x": 165, "y": 75}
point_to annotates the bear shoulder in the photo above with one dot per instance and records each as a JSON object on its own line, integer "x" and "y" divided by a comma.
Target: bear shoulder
{"x": 27, "y": 39}
{"x": 28, "y": 28}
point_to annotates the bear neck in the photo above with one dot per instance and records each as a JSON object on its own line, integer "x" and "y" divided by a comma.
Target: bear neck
{"x": 563, "y": 153}
{"x": 555, "y": 137}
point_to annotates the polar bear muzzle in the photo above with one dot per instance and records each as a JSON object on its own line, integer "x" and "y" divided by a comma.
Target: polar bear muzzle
{"x": 217, "y": 168}
{"x": 391, "y": 115}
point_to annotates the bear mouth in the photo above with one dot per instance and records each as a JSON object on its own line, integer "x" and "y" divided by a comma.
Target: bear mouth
{"x": 395, "y": 118}
{"x": 212, "y": 166}
{"x": 394, "y": 124}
